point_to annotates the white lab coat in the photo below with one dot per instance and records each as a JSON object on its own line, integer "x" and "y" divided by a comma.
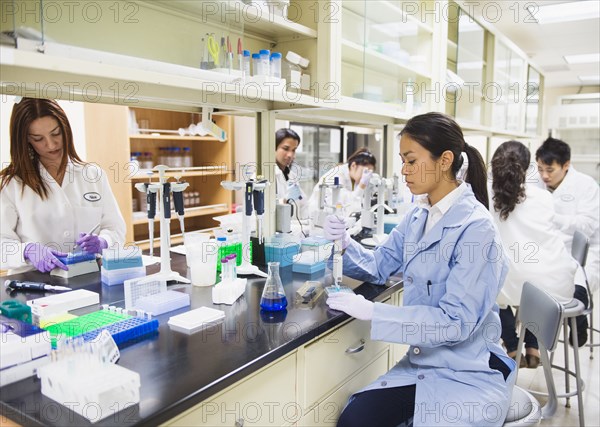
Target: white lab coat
{"x": 83, "y": 200}
{"x": 350, "y": 198}
{"x": 281, "y": 188}
{"x": 534, "y": 248}
{"x": 452, "y": 276}
{"x": 577, "y": 206}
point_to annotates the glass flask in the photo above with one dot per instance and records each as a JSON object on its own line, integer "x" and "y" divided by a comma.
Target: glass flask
{"x": 273, "y": 296}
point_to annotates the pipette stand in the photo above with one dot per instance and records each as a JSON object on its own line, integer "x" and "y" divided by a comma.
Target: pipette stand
{"x": 245, "y": 269}
{"x": 379, "y": 237}
{"x": 165, "y": 272}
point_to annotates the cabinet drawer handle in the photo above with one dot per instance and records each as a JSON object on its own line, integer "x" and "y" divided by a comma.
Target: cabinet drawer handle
{"x": 357, "y": 349}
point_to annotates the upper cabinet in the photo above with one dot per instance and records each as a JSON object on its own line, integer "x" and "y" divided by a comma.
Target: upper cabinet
{"x": 467, "y": 67}
{"x": 507, "y": 90}
{"x": 387, "y": 52}
{"x": 533, "y": 101}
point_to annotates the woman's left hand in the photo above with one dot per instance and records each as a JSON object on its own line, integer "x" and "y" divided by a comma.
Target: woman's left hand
{"x": 91, "y": 243}
{"x": 354, "y": 305}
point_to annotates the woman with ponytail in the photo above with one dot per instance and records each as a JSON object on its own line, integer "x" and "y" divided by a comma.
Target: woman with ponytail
{"x": 524, "y": 216}
{"x": 449, "y": 254}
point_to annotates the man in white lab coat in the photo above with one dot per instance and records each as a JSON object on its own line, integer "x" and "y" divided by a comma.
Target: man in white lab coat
{"x": 577, "y": 205}
{"x": 288, "y": 173}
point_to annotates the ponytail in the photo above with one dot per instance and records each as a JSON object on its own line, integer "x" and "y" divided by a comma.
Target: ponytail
{"x": 476, "y": 175}
{"x": 509, "y": 170}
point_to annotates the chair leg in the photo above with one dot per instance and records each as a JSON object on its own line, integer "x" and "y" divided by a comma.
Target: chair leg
{"x": 577, "y": 371}
{"x": 550, "y": 407}
{"x": 566, "y": 351}
{"x": 591, "y": 333}
{"x": 519, "y": 347}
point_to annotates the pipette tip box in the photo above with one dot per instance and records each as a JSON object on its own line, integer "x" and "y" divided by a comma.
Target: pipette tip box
{"x": 157, "y": 304}
{"x": 195, "y": 320}
{"x": 76, "y": 268}
{"x": 61, "y": 303}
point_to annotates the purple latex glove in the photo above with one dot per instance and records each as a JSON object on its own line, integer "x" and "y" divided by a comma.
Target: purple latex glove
{"x": 43, "y": 258}
{"x": 91, "y": 243}
{"x": 335, "y": 229}
{"x": 365, "y": 178}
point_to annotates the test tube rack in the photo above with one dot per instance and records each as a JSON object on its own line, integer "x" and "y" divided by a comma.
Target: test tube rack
{"x": 120, "y": 325}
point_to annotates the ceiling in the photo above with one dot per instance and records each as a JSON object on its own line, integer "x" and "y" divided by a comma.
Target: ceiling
{"x": 546, "y": 44}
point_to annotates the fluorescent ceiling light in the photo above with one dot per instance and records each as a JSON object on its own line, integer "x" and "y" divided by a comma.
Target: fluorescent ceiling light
{"x": 565, "y": 12}
{"x": 588, "y": 58}
{"x": 590, "y": 78}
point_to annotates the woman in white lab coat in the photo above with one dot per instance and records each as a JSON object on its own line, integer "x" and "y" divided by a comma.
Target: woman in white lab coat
{"x": 288, "y": 173}
{"x": 353, "y": 176}
{"x": 524, "y": 216}
{"x": 50, "y": 198}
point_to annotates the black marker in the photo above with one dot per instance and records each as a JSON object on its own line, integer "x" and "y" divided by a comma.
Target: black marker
{"x": 34, "y": 286}
{"x": 428, "y": 285}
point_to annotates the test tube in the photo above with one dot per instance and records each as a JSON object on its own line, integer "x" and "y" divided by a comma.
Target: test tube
{"x": 233, "y": 266}
{"x": 276, "y": 65}
{"x": 224, "y": 270}
{"x": 246, "y": 64}
{"x": 264, "y": 62}
{"x": 255, "y": 66}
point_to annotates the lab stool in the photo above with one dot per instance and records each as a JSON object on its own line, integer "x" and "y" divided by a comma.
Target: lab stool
{"x": 524, "y": 409}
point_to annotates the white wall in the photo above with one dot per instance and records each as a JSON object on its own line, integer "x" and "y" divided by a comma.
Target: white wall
{"x": 244, "y": 131}
{"x": 73, "y": 110}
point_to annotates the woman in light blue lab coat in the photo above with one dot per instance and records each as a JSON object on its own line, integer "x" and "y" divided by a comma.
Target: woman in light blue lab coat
{"x": 448, "y": 251}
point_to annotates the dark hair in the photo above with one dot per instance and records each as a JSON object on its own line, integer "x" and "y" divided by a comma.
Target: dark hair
{"x": 509, "y": 170}
{"x": 553, "y": 150}
{"x": 437, "y": 132}
{"x": 362, "y": 157}
{"x": 24, "y": 162}
{"x": 284, "y": 133}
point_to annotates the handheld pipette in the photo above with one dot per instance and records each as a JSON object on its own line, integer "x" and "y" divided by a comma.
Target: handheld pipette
{"x": 33, "y": 286}
{"x": 178, "y": 202}
{"x": 94, "y": 228}
{"x": 337, "y": 253}
{"x": 151, "y": 211}
{"x": 259, "y": 207}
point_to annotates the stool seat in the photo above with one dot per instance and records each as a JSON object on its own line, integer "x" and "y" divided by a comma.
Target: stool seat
{"x": 524, "y": 409}
{"x": 573, "y": 308}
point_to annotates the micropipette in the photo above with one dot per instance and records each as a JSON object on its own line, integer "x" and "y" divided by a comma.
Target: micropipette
{"x": 151, "y": 211}
{"x": 33, "y": 286}
{"x": 259, "y": 207}
{"x": 337, "y": 253}
{"x": 94, "y": 228}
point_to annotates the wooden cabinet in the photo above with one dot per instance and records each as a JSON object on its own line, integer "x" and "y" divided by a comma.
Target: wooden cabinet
{"x": 211, "y": 162}
{"x": 203, "y": 161}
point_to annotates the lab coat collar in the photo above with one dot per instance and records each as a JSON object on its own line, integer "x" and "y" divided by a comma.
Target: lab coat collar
{"x": 455, "y": 216}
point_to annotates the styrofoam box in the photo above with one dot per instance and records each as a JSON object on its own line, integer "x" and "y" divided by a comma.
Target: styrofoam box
{"x": 196, "y": 320}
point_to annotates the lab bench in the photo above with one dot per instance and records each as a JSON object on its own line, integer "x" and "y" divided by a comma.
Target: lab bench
{"x": 253, "y": 368}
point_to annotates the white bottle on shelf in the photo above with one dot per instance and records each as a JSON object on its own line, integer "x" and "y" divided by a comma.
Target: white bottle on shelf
{"x": 187, "y": 157}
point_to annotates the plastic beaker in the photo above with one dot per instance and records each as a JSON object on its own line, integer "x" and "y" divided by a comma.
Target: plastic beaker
{"x": 273, "y": 295}
{"x": 203, "y": 263}
{"x": 193, "y": 239}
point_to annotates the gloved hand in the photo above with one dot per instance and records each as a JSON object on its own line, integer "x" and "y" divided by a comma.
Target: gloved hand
{"x": 91, "y": 243}
{"x": 365, "y": 178}
{"x": 335, "y": 229}
{"x": 293, "y": 191}
{"x": 43, "y": 258}
{"x": 354, "y": 305}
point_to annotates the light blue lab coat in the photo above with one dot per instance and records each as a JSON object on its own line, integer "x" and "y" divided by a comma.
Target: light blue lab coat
{"x": 452, "y": 276}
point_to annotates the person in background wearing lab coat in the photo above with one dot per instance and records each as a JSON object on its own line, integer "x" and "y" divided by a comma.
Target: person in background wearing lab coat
{"x": 50, "y": 198}
{"x": 354, "y": 177}
{"x": 577, "y": 205}
{"x": 453, "y": 266}
{"x": 287, "y": 173}
{"x": 524, "y": 215}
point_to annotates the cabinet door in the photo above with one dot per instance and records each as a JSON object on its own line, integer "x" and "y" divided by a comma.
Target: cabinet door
{"x": 328, "y": 411}
{"x": 265, "y": 399}
{"x": 336, "y": 357}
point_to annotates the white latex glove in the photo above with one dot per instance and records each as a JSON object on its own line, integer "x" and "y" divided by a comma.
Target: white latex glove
{"x": 293, "y": 191}
{"x": 354, "y": 305}
{"x": 335, "y": 229}
{"x": 365, "y": 178}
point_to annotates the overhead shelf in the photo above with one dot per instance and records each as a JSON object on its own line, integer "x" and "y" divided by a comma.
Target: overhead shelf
{"x": 142, "y": 174}
{"x": 360, "y": 56}
{"x": 245, "y": 17}
{"x": 160, "y": 137}
{"x": 385, "y": 13}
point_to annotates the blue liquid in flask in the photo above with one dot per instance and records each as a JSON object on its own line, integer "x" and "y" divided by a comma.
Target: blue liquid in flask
{"x": 273, "y": 296}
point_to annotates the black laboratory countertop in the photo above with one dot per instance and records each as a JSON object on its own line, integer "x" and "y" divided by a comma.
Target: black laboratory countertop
{"x": 177, "y": 370}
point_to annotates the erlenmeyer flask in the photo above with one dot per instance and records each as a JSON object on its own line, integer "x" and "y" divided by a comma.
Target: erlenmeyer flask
{"x": 273, "y": 296}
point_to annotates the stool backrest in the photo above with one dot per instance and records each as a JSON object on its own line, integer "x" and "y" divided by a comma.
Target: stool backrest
{"x": 541, "y": 314}
{"x": 579, "y": 248}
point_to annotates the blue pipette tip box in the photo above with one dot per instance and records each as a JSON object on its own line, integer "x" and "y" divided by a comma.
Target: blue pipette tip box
{"x": 74, "y": 258}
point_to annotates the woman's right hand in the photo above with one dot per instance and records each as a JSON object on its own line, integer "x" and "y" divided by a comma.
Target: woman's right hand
{"x": 43, "y": 258}
{"x": 335, "y": 229}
